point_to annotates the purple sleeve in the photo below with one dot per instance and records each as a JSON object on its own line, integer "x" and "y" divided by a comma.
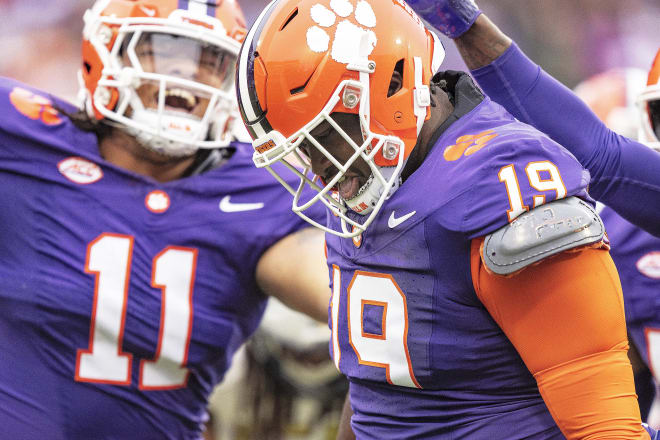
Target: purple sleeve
{"x": 489, "y": 203}
{"x": 625, "y": 174}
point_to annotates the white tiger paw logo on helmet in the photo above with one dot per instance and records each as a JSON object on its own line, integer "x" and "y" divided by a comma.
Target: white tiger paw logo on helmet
{"x": 352, "y": 43}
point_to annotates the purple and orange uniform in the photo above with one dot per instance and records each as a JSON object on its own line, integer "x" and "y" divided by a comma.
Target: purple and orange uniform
{"x": 624, "y": 172}
{"x": 122, "y": 299}
{"x": 433, "y": 345}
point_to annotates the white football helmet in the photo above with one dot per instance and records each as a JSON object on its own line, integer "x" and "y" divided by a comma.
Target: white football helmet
{"x": 649, "y": 103}
{"x": 163, "y": 70}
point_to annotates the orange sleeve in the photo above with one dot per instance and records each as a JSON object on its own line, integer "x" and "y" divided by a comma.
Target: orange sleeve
{"x": 565, "y": 317}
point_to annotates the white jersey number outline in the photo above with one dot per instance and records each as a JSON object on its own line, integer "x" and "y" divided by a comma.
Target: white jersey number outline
{"x": 653, "y": 348}
{"x": 389, "y": 349}
{"x": 173, "y": 272}
{"x": 507, "y": 175}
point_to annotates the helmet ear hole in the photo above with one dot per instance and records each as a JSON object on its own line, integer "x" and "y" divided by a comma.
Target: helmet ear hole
{"x": 396, "y": 83}
{"x": 300, "y": 89}
{"x": 289, "y": 19}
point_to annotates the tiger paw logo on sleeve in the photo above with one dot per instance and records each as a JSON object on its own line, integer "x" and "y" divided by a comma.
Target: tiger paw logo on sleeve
{"x": 34, "y": 106}
{"x": 468, "y": 145}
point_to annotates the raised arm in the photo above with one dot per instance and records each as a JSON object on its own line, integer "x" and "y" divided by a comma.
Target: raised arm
{"x": 625, "y": 174}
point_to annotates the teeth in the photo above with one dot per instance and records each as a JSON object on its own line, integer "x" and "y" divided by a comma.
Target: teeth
{"x": 184, "y": 94}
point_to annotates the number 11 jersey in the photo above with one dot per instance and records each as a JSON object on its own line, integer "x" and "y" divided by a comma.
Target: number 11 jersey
{"x": 122, "y": 300}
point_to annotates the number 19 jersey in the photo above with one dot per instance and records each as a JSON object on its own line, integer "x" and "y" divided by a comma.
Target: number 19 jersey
{"x": 424, "y": 357}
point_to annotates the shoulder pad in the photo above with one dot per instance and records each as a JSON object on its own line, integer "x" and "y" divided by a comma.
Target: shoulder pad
{"x": 544, "y": 231}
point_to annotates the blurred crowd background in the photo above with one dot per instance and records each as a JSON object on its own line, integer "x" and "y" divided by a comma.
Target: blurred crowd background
{"x": 571, "y": 39}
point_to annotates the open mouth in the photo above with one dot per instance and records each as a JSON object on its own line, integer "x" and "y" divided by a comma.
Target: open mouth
{"x": 351, "y": 186}
{"x": 180, "y": 100}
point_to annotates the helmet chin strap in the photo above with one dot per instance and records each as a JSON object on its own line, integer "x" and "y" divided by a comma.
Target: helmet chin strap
{"x": 422, "y": 95}
{"x": 372, "y": 190}
{"x": 161, "y": 144}
{"x": 162, "y": 121}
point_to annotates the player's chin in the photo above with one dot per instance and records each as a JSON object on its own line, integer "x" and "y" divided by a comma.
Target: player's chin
{"x": 167, "y": 156}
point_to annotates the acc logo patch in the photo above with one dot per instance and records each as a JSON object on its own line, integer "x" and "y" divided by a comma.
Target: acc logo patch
{"x": 157, "y": 201}
{"x": 79, "y": 170}
{"x": 34, "y": 106}
{"x": 468, "y": 144}
{"x": 649, "y": 265}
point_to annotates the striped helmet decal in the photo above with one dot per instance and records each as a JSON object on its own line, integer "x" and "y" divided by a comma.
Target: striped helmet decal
{"x": 198, "y": 6}
{"x": 248, "y": 101}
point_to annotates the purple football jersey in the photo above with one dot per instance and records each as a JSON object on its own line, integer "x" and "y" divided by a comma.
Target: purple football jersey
{"x": 624, "y": 172}
{"x": 122, "y": 299}
{"x": 636, "y": 254}
{"x": 424, "y": 357}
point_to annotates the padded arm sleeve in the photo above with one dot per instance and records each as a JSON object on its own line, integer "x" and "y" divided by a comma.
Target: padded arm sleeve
{"x": 565, "y": 317}
{"x": 625, "y": 174}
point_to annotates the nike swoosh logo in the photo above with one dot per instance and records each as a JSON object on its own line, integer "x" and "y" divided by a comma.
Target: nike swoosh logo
{"x": 149, "y": 12}
{"x": 227, "y": 206}
{"x": 393, "y": 222}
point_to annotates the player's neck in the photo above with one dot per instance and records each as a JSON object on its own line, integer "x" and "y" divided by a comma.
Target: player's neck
{"x": 123, "y": 150}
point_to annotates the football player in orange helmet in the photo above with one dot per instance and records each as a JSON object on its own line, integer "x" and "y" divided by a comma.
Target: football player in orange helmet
{"x": 137, "y": 239}
{"x": 454, "y": 313}
{"x": 389, "y": 123}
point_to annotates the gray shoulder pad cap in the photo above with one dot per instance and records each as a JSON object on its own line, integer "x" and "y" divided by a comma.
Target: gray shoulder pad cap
{"x": 544, "y": 231}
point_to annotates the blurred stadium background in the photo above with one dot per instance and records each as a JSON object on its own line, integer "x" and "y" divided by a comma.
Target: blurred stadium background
{"x": 571, "y": 39}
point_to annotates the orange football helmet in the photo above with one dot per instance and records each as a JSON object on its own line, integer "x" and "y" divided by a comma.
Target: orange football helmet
{"x": 649, "y": 102}
{"x": 303, "y": 60}
{"x": 163, "y": 70}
